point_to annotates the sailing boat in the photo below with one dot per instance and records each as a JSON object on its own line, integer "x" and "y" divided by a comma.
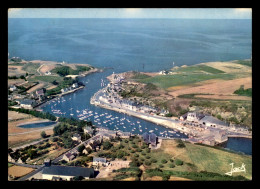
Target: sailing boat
{"x": 71, "y": 112}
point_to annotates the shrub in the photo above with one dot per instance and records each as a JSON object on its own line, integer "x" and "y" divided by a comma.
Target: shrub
{"x": 154, "y": 160}
{"x": 54, "y": 139}
{"x": 136, "y": 155}
{"x": 147, "y": 162}
{"x": 147, "y": 157}
{"x": 107, "y": 145}
{"x": 164, "y": 161}
{"x": 171, "y": 165}
{"x": 161, "y": 166}
{"x": 43, "y": 134}
{"x": 178, "y": 162}
{"x": 171, "y": 160}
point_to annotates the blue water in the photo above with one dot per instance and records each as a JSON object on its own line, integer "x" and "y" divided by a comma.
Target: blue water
{"x": 36, "y": 125}
{"x": 243, "y": 145}
{"x": 126, "y": 44}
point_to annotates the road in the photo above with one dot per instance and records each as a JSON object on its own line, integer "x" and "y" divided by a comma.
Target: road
{"x": 56, "y": 160}
{"x": 31, "y": 174}
{"x": 38, "y": 70}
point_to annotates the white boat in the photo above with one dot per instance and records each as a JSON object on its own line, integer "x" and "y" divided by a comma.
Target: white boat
{"x": 151, "y": 131}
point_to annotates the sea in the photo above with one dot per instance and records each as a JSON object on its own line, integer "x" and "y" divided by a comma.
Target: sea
{"x": 121, "y": 45}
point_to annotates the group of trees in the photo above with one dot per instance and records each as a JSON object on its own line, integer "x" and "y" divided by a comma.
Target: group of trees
{"x": 66, "y": 70}
{"x": 67, "y": 82}
{"x": 44, "y": 115}
{"x": 15, "y": 77}
{"x": 244, "y": 92}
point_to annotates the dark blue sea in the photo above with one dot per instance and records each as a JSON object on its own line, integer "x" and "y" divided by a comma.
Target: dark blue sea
{"x": 127, "y": 44}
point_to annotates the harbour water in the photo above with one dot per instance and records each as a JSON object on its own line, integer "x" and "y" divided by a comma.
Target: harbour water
{"x": 123, "y": 45}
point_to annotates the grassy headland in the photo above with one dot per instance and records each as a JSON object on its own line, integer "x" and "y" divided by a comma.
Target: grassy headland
{"x": 213, "y": 87}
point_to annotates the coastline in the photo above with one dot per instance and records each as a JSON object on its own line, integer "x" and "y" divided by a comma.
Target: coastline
{"x": 38, "y": 107}
{"x": 154, "y": 119}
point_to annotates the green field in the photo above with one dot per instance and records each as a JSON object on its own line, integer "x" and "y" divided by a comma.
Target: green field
{"x": 45, "y": 78}
{"x": 166, "y": 81}
{"x": 244, "y": 62}
{"x": 31, "y": 68}
{"x": 199, "y": 68}
{"x": 10, "y": 164}
{"x": 204, "y": 158}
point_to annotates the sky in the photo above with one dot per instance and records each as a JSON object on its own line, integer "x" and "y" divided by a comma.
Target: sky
{"x": 196, "y": 13}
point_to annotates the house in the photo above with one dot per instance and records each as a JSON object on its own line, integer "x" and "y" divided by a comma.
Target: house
{"x": 183, "y": 117}
{"x": 27, "y": 104}
{"x": 10, "y": 159}
{"x": 76, "y": 137}
{"x": 16, "y": 59}
{"x": 55, "y": 172}
{"x": 87, "y": 150}
{"x": 150, "y": 138}
{"x": 194, "y": 116}
{"x": 124, "y": 134}
{"x": 97, "y": 161}
{"x": 47, "y": 73}
{"x": 47, "y": 162}
{"x": 68, "y": 157}
{"x": 12, "y": 88}
{"x": 39, "y": 93}
{"x": 75, "y": 85}
{"x": 88, "y": 130}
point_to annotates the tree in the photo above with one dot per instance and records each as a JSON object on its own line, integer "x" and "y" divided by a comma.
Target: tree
{"x": 31, "y": 153}
{"x": 164, "y": 161}
{"x": 22, "y": 77}
{"x": 178, "y": 162}
{"x": 171, "y": 165}
{"x": 43, "y": 134}
{"x": 81, "y": 148}
{"x": 147, "y": 162}
{"x": 107, "y": 145}
{"x": 78, "y": 178}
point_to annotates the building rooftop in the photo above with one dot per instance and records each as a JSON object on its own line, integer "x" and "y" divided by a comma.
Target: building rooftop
{"x": 213, "y": 120}
{"x": 27, "y": 101}
{"x": 98, "y": 159}
{"x": 68, "y": 171}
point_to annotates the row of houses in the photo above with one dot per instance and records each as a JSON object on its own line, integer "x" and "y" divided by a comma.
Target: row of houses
{"x": 72, "y": 87}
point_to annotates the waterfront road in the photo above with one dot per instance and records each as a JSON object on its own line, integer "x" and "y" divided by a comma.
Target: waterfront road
{"x": 176, "y": 123}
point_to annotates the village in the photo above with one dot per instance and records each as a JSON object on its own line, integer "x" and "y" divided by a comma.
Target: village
{"x": 55, "y": 169}
{"x": 200, "y": 128}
